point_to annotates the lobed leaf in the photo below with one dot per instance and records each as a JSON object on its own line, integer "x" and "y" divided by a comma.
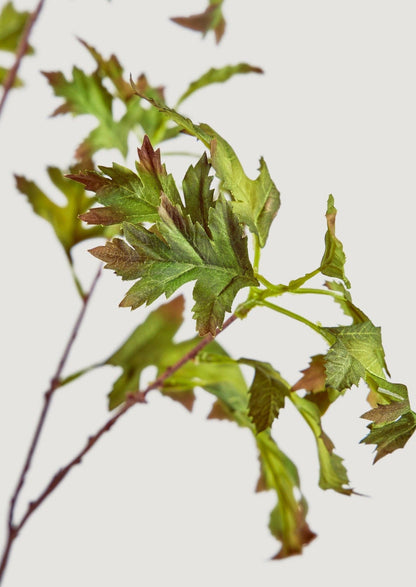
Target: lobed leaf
{"x": 127, "y": 196}
{"x": 12, "y": 26}
{"x": 357, "y": 350}
{"x": 63, "y": 219}
{"x": 183, "y": 251}
{"x": 256, "y": 202}
{"x": 146, "y": 346}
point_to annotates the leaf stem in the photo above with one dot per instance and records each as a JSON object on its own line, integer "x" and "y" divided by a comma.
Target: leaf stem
{"x": 132, "y": 399}
{"x": 295, "y": 316}
{"x": 21, "y": 50}
{"x": 14, "y": 529}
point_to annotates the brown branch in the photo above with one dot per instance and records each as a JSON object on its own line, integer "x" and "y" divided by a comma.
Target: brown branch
{"x": 133, "y": 399}
{"x": 13, "y": 529}
{"x": 21, "y": 50}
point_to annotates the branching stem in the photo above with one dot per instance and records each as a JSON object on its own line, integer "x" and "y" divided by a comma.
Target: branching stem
{"x": 21, "y": 50}
{"x": 132, "y": 399}
{"x": 13, "y": 528}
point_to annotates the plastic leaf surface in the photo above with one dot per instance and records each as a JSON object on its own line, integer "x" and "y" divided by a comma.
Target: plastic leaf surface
{"x": 222, "y": 377}
{"x": 357, "y": 350}
{"x": 63, "y": 219}
{"x": 141, "y": 350}
{"x": 393, "y": 422}
{"x": 256, "y": 202}
{"x": 267, "y": 394}
{"x": 333, "y": 261}
{"x": 183, "y": 252}
{"x": 127, "y": 196}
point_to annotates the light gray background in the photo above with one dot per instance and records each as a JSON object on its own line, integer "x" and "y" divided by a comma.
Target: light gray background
{"x": 168, "y": 498}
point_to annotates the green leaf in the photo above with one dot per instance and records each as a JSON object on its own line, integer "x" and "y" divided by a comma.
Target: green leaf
{"x": 220, "y": 266}
{"x": 214, "y": 371}
{"x": 391, "y": 435}
{"x": 146, "y": 346}
{"x": 267, "y": 394}
{"x": 128, "y": 196}
{"x": 333, "y": 261}
{"x": 357, "y": 350}
{"x": 86, "y": 94}
{"x": 214, "y": 76}
{"x": 12, "y": 26}
{"x": 255, "y": 202}
{"x": 63, "y": 219}
{"x": 288, "y": 519}
{"x": 211, "y": 19}
{"x": 199, "y": 198}
{"x": 333, "y": 474}
{"x": 393, "y": 422}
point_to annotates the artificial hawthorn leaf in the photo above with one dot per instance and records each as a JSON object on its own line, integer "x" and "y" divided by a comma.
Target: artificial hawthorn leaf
{"x": 223, "y": 378}
{"x": 128, "y": 196}
{"x": 393, "y": 422}
{"x": 217, "y": 75}
{"x": 198, "y": 195}
{"x": 211, "y": 19}
{"x": 63, "y": 219}
{"x": 12, "y": 25}
{"x": 288, "y": 519}
{"x": 333, "y": 474}
{"x": 145, "y": 346}
{"x": 390, "y": 436}
{"x": 184, "y": 252}
{"x": 267, "y": 394}
{"x": 357, "y": 350}
{"x": 255, "y": 202}
{"x": 333, "y": 261}
{"x": 86, "y": 94}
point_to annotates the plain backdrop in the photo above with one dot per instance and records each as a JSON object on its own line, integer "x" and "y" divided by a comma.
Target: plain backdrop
{"x": 167, "y": 498}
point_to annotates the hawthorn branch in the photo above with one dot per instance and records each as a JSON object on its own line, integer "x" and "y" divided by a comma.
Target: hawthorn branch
{"x": 21, "y": 50}
{"x": 133, "y": 399}
{"x": 13, "y": 529}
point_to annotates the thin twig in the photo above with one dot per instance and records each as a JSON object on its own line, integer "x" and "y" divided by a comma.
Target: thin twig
{"x": 133, "y": 399}
{"x": 21, "y": 50}
{"x": 13, "y": 528}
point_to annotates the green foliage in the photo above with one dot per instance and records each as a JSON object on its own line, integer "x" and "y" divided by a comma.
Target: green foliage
{"x": 63, "y": 219}
{"x": 267, "y": 394}
{"x": 333, "y": 261}
{"x": 185, "y": 252}
{"x": 88, "y": 93}
{"x": 12, "y": 26}
{"x": 256, "y": 202}
{"x": 357, "y": 350}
